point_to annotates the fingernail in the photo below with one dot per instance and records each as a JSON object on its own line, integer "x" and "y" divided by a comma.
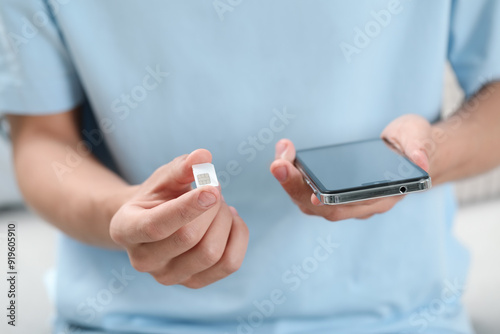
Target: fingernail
{"x": 206, "y": 199}
{"x": 280, "y": 149}
{"x": 421, "y": 159}
{"x": 281, "y": 174}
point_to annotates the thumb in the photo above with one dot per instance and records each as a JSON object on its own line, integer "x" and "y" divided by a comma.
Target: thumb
{"x": 411, "y": 135}
{"x": 177, "y": 175}
{"x": 418, "y": 154}
{"x": 285, "y": 150}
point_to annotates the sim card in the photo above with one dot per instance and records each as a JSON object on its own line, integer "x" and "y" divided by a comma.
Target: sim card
{"x": 204, "y": 175}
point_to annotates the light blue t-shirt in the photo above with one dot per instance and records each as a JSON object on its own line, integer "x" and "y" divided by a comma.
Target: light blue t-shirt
{"x": 165, "y": 77}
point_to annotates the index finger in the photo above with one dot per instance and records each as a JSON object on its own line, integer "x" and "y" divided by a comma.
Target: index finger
{"x": 162, "y": 221}
{"x": 288, "y": 175}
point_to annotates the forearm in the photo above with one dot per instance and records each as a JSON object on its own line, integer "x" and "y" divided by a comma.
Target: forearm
{"x": 71, "y": 190}
{"x": 468, "y": 142}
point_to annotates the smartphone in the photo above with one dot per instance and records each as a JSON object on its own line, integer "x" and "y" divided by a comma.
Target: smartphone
{"x": 359, "y": 171}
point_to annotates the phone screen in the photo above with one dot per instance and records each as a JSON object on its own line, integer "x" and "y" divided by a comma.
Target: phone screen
{"x": 358, "y": 165}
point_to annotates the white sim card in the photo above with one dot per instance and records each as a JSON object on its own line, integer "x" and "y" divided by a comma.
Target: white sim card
{"x": 204, "y": 175}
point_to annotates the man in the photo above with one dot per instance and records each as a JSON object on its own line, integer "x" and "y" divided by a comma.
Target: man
{"x": 142, "y": 252}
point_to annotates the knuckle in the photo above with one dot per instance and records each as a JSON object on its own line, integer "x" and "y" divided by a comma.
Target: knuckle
{"x": 120, "y": 225}
{"x": 184, "y": 214}
{"x": 140, "y": 262}
{"x": 210, "y": 255}
{"x": 148, "y": 227}
{"x": 116, "y": 234}
{"x": 186, "y": 236}
{"x": 231, "y": 265}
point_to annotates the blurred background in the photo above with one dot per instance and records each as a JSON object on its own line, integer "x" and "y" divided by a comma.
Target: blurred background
{"x": 477, "y": 226}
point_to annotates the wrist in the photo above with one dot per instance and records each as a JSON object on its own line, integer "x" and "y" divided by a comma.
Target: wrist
{"x": 114, "y": 200}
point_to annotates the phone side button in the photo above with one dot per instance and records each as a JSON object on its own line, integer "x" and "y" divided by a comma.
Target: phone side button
{"x": 310, "y": 186}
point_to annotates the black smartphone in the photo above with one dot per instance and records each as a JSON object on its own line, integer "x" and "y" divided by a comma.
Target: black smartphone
{"x": 359, "y": 171}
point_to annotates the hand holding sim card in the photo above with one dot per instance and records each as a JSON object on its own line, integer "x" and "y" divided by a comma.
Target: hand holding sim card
{"x": 190, "y": 237}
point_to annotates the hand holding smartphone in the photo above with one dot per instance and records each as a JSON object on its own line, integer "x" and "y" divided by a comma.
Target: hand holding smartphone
{"x": 359, "y": 171}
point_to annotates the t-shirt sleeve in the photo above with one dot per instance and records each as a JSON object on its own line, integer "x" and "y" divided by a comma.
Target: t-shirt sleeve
{"x": 36, "y": 72}
{"x": 474, "y": 48}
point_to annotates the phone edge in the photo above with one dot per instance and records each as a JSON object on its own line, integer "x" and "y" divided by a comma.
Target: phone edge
{"x": 420, "y": 185}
